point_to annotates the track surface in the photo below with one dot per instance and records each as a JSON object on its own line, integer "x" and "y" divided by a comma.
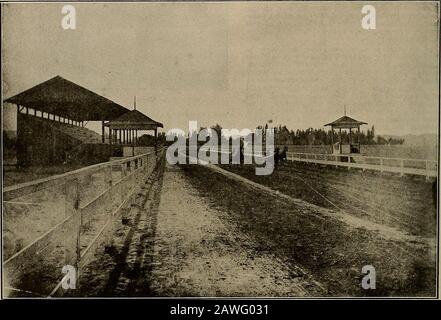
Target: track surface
{"x": 194, "y": 232}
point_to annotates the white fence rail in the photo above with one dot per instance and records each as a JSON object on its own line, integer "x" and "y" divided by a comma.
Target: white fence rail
{"x": 67, "y": 233}
{"x": 402, "y": 166}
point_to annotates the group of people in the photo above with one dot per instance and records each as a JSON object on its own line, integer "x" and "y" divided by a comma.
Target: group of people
{"x": 280, "y": 156}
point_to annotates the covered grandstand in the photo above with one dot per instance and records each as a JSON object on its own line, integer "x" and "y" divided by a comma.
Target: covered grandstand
{"x": 51, "y": 118}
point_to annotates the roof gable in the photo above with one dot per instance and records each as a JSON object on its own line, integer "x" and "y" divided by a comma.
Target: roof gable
{"x": 345, "y": 122}
{"x": 134, "y": 119}
{"x": 67, "y": 99}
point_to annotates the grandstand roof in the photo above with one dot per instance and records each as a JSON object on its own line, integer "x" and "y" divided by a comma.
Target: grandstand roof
{"x": 345, "y": 122}
{"x": 66, "y": 99}
{"x": 134, "y": 120}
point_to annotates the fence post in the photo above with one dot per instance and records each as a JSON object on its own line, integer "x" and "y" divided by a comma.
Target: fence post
{"x": 108, "y": 177}
{"x": 123, "y": 170}
{"x": 381, "y": 164}
{"x": 72, "y": 245}
{"x": 147, "y": 162}
{"x": 107, "y": 185}
{"x": 132, "y": 169}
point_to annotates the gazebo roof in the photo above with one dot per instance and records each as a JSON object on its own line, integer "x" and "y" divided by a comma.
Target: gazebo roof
{"x": 345, "y": 122}
{"x": 134, "y": 120}
{"x": 67, "y": 99}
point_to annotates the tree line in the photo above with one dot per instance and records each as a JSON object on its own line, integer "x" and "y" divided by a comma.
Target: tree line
{"x": 312, "y": 136}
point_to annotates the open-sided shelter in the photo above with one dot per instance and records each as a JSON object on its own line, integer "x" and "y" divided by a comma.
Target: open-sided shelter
{"x": 345, "y": 123}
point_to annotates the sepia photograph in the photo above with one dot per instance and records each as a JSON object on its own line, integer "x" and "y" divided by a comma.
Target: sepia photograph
{"x": 220, "y": 149}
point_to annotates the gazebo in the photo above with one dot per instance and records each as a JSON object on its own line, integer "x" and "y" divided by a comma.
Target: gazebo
{"x": 124, "y": 129}
{"x": 348, "y": 123}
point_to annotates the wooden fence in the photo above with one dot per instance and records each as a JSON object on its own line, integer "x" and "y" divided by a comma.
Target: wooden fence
{"x": 421, "y": 167}
{"x": 67, "y": 233}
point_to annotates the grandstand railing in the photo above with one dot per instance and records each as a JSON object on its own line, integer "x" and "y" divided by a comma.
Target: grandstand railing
{"x": 67, "y": 233}
{"x": 421, "y": 167}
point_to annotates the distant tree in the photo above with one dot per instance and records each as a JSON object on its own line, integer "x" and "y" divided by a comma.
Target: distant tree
{"x": 312, "y": 136}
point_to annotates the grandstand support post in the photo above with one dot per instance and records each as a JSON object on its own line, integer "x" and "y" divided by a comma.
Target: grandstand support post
{"x": 340, "y": 141}
{"x": 156, "y": 139}
{"x": 72, "y": 230}
{"x": 359, "y": 145}
{"x": 54, "y": 144}
{"x": 103, "y": 132}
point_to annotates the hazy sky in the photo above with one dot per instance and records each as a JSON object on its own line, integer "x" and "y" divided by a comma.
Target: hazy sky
{"x": 237, "y": 64}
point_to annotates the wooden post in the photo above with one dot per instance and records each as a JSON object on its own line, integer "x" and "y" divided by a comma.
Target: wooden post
{"x": 110, "y": 141}
{"x": 156, "y": 139}
{"x": 332, "y": 138}
{"x": 72, "y": 231}
{"x": 108, "y": 177}
{"x": 340, "y": 141}
{"x": 381, "y": 164}
{"x": 123, "y": 170}
{"x": 133, "y": 143}
{"x": 359, "y": 145}
{"x": 107, "y": 185}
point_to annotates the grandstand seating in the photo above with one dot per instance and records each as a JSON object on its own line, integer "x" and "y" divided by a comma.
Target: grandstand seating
{"x": 81, "y": 134}
{"x": 45, "y": 141}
